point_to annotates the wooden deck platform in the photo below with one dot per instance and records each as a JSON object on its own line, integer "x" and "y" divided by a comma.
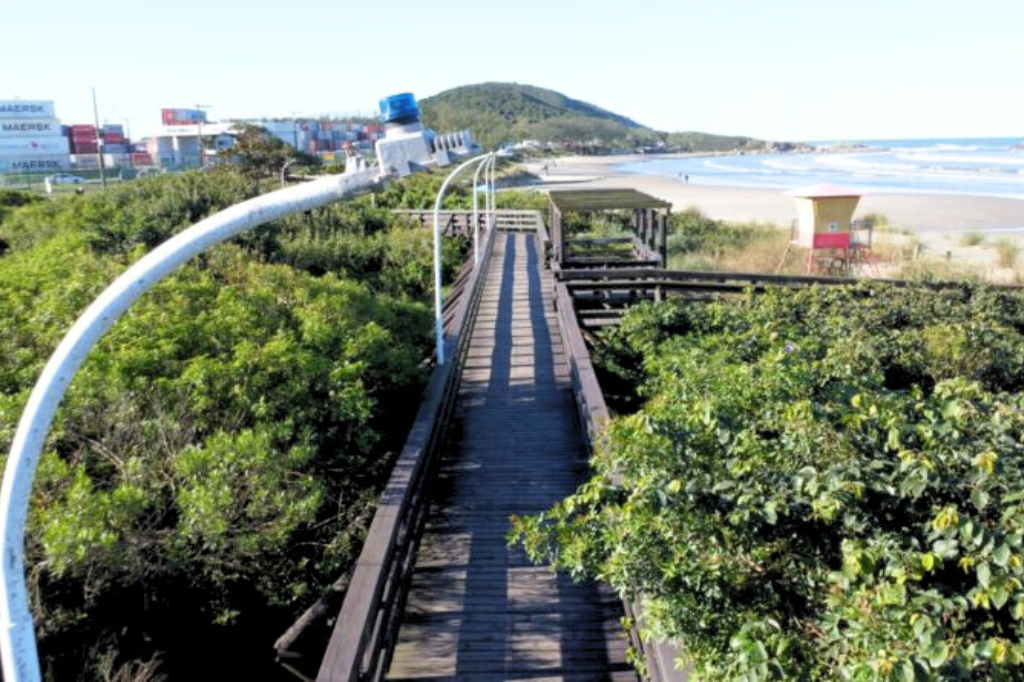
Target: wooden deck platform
{"x": 478, "y": 610}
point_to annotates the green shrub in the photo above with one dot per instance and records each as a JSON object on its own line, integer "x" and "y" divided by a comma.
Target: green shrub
{"x": 690, "y": 231}
{"x": 217, "y": 459}
{"x": 819, "y": 485}
{"x": 972, "y": 239}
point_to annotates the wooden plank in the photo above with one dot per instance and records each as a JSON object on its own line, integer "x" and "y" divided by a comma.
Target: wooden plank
{"x": 478, "y": 609}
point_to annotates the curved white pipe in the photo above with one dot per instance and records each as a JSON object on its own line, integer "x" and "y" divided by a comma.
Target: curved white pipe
{"x": 476, "y": 214}
{"x": 17, "y": 638}
{"x": 438, "y": 298}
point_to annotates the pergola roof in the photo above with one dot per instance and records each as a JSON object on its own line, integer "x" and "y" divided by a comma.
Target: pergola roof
{"x": 823, "y": 191}
{"x": 604, "y": 200}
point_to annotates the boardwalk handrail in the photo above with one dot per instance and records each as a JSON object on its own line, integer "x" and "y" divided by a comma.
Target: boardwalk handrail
{"x": 746, "y": 278}
{"x": 457, "y": 221}
{"x": 593, "y": 414}
{"x": 363, "y": 639}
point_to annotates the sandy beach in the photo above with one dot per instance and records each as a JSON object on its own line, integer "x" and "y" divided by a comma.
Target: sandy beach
{"x": 937, "y": 221}
{"x": 925, "y": 214}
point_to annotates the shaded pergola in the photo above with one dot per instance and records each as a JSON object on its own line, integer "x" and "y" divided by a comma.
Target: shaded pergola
{"x": 649, "y": 222}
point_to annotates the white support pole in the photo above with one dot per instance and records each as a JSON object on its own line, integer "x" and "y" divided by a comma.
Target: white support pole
{"x": 438, "y": 297}
{"x": 492, "y": 200}
{"x": 17, "y": 638}
{"x": 476, "y": 215}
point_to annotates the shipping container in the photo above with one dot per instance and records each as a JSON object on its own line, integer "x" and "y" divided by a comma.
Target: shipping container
{"x": 113, "y": 128}
{"x": 30, "y": 127}
{"x": 33, "y": 145}
{"x": 85, "y": 161}
{"x": 115, "y": 149}
{"x": 35, "y": 164}
{"x": 142, "y": 159}
{"x": 116, "y": 160}
{"x": 82, "y": 128}
{"x": 113, "y": 138}
{"x": 84, "y": 148}
{"x": 23, "y": 108}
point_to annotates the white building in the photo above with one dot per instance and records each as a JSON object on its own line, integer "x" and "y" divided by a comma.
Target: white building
{"x": 178, "y": 146}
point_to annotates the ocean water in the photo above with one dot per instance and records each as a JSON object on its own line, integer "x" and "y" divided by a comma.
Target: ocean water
{"x": 985, "y": 167}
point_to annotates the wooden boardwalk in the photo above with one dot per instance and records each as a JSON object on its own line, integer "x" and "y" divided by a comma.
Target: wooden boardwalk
{"x": 478, "y": 610}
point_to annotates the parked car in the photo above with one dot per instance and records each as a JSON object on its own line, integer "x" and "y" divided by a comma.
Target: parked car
{"x": 64, "y": 179}
{"x": 50, "y": 181}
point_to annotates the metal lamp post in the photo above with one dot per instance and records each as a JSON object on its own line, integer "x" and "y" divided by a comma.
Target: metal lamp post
{"x": 476, "y": 211}
{"x": 438, "y": 297}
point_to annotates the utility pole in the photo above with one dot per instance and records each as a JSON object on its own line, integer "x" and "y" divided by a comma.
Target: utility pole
{"x": 99, "y": 141}
{"x": 128, "y": 141}
{"x": 199, "y": 122}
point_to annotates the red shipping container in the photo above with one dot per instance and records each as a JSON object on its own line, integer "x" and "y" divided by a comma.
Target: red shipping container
{"x": 142, "y": 159}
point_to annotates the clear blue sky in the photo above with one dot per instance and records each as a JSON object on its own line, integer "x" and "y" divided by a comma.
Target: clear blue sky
{"x": 798, "y": 70}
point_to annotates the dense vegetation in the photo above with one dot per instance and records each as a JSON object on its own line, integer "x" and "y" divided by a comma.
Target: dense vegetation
{"x": 697, "y": 242}
{"x": 705, "y": 142}
{"x": 815, "y": 484}
{"x": 500, "y": 113}
{"x": 216, "y": 461}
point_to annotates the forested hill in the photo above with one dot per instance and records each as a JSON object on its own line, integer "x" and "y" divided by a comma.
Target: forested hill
{"x": 499, "y": 113}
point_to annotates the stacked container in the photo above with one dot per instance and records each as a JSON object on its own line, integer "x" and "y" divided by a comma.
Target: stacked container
{"x": 31, "y": 138}
{"x": 83, "y": 139}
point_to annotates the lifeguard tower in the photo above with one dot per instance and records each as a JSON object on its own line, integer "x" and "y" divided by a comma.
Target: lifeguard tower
{"x": 825, "y": 228}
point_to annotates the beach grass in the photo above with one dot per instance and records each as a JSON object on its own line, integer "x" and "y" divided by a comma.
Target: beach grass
{"x": 1007, "y": 253}
{"x": 972, "y": 239}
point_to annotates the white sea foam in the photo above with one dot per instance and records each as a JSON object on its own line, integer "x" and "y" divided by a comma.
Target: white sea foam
{"x": 732, "y": 169}
{"x": 782, "y": 164}
{"x": 844, "y": 162}
{"x": 955, "y": 158}
{"x": 956, "y": 147}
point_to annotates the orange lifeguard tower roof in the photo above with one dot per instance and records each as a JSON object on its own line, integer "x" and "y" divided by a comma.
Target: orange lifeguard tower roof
{"x": 822, "y": 191}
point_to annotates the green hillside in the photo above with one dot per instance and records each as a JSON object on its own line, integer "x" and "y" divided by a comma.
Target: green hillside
{"x": 499, "y": 113}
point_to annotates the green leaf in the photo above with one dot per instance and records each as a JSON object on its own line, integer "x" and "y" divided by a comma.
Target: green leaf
{"x": 1001, "y": 555}
{"x": 984, "y": 574}
{"x": 938, "y": 654}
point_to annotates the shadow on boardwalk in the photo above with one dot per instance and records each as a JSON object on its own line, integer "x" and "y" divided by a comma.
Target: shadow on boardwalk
{"x": 479, "y": 610}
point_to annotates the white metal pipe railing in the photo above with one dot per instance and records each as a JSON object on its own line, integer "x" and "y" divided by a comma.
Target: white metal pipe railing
{"x": 17, "y": 637}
